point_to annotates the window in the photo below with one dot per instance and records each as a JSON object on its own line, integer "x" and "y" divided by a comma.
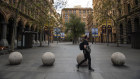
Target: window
{"x": 129, "y": 8}
{"x": 136, "y": 2}
{"x": 79, "y": 12}
{"x": 70, "y": 11}
{"x": 14, "y": 1}
{"x": 74, "y": 11}
{"x": 84, "y": 11}
{"x": 66, "y": 19}
{"x": 10, "y": 1}
{"x": 87, "y": 11}
{"x": 66, "y": 12}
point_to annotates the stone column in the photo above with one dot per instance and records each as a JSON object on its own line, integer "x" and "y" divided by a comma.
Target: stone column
{"x": 125, "y": 32}
{"x": 3, "y": 41}
{"x": 37, "y": 40}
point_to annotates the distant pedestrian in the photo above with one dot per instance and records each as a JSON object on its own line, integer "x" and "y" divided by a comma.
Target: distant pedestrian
{"x": 86, "y": 52}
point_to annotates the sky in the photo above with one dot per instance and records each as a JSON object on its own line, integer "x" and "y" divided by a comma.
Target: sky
{"x": 72, "y": 3}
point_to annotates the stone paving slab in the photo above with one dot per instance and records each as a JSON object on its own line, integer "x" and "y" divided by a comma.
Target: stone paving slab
{"x": 65, "y": 64}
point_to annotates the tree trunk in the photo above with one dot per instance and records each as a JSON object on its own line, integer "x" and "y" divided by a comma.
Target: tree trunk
{"x": 14, "y": 27}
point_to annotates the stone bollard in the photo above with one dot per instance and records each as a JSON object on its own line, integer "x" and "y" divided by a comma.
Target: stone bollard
{"x": 118, "y": 58}
{"x": 48, "y": 58}
{"x": 15, "y": 58}
{"x": 81, "y": 57}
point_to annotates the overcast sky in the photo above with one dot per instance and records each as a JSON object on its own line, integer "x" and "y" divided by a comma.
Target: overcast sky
{"x": 72, "y": 3}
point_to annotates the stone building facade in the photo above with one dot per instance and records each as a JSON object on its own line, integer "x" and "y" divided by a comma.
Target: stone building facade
{"x": 128, "y": 27}
{"x": 79, "y": 11}
{"x": 103, "y": 37}
{"x": 129, "y": 22}
{"x": 27, "y": 21}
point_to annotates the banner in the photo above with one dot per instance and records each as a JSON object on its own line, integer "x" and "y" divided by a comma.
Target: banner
{"x": 87, "y": 33}
{"x": 62, "y": 35}
{"x": 95, "y": 32}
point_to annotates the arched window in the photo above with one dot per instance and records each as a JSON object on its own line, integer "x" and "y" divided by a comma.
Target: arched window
{"x": 10, "y": 1}
{"x": 14, "y": 1}
{"x": 129, "y": 7}
{"x": 136, "y": 2}
{"x": 137, "y": 25}
{"x": 121, "y": 29}
{"x": 121, "y": 33}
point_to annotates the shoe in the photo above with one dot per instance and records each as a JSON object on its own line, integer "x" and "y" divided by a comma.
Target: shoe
{"x": 91, "y": 69}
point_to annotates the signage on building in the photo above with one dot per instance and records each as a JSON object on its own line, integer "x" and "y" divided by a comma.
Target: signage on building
{"x": 87, "y": 33}
{"x": 95, "y": 32}
{"x": 62, "y": 35}
{"x": 57, "y": 32}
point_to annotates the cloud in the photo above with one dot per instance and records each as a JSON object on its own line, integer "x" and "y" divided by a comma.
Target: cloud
{"x": 72, "y": 3}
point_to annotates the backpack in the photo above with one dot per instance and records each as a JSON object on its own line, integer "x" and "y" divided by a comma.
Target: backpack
{"x": 88, "y": 49}
{"x": 81, "y": 46}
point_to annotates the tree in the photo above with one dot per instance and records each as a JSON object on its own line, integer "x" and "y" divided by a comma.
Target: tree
{"x": 108, "y": 9}
{"x": 75, "y": 27}
{"x": 41, "y": 19}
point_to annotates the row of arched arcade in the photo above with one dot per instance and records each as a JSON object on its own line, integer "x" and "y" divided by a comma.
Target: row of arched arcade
{"x": 129, "y": 31}
{"x": 25, "y": 33}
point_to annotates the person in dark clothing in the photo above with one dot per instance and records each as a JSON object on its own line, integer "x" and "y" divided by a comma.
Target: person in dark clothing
{"x": 86, "y": 54}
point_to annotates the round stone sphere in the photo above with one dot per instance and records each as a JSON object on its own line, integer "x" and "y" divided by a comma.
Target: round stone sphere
{"x": 80, "y": 58}
{"x": 34, "y": 42}
{"x": 118, "y": 58}
{"x": 38, "y": 42}
{"x": 48, "y": 58}
{"x": 15, "y": 58}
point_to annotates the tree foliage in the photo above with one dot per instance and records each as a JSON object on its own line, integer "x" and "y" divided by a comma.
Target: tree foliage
{"x": 108, "y": 9}
{"x": 75, "y": 27}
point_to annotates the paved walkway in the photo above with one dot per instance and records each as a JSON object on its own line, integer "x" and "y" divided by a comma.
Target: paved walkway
{"x": 65, "y": 64}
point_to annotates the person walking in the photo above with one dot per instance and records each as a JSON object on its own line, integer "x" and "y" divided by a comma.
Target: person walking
{"x": 86, "y": 52}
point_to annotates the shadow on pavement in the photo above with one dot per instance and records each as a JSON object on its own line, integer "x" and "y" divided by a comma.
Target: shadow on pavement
{"x": 122, "y": 67}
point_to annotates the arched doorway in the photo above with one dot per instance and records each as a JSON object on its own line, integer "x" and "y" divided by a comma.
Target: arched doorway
{"x": 129, "y": 32}
{"x": 10, "y": 27}
{"x": 3, "y": 31}
{"x": 136, "y": 34}
{"x": 121, "y": 33}
{"x": 36, "y": 35}
{"x": 20, "y": 29}
{"x": 1, "y": 20}
{"x": 137, "y": 25}
{"x": 32, "y": 28}
{"x": 27, "y": 27}
{"x": 136, "y": 2}
{"x": 27, "y": 37}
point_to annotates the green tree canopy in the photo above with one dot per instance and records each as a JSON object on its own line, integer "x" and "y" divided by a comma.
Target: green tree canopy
{"x": 108, "y": 9}
{"x": 75, "y": 27}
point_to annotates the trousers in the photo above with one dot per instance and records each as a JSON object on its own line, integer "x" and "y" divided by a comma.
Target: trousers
{"x": 87, "y": 57}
